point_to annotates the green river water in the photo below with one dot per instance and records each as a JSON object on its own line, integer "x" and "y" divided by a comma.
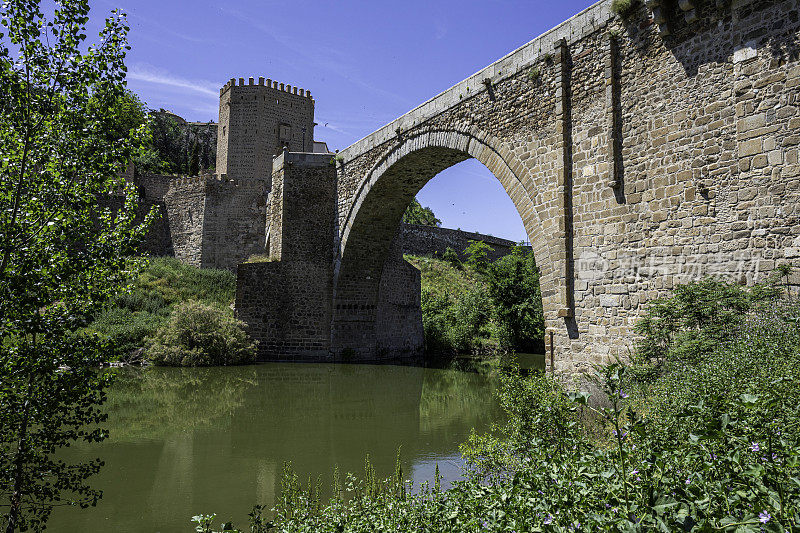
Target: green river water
{"x": 213, "y": 440}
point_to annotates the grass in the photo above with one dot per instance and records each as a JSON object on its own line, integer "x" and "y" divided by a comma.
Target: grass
{"x": 441, "y": 277}
{"x": 260, "y": 258}
{"x": 163, "y": 282}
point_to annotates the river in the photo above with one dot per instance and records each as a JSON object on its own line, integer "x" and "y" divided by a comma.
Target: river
{"x": 213, "y": 440}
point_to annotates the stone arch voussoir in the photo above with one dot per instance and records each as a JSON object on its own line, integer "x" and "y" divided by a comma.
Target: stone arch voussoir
{"x": 504, "y": 165}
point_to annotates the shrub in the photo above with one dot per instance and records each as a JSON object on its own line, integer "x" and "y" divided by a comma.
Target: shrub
{"x": 451, "y": 256}
{"x": 513, "y": 283}
{"x": 477, "y": 253}
{"x": 200, "y": 335}
{"x": 695, "y": 319}
{"x": 469, "y": 318}
{"x": 623, "y": 8}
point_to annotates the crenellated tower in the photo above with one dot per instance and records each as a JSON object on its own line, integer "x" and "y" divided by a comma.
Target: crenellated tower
{"x": 256, "y": 122}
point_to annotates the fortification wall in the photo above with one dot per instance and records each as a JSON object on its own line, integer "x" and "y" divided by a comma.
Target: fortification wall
{"x": 417, "y": 239}
{"x": 185, "y": 202}
{"x": 234, "y": 225}
{"x": 256, "y": 121}
{"x": 154, "y": 187}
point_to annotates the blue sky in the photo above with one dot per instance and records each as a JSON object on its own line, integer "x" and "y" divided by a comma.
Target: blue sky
{"x": 365, "y": 63}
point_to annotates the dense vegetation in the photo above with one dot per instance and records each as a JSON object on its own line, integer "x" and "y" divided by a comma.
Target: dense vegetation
{"x": 416, "y": 214}
{"x": 702, "y": 437}
{"x": 131, "y": 317}
{"x": 481, "y": 307}
{"x": 200, "y": 335}
{"x": 175, "y": 147}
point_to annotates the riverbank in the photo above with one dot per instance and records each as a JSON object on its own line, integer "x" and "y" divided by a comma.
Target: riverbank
{"x": 463, "y": 305}
{"x": 697, "y": 432}
{"x": 161, "y": 284}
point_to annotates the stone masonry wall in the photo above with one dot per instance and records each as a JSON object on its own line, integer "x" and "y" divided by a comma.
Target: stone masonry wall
{"x": 256, "y": 121}
{"x": 234, "y": 226}
{"x": 286, "y": 303}
{"x": 636, "y": 158}
{"x": 429, "y": 240}
{"x": 185, "y": 202}
{"x": 398, "y": 318}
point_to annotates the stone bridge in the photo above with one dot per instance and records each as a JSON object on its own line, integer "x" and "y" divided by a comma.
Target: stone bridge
{"x": 640, "y": 152}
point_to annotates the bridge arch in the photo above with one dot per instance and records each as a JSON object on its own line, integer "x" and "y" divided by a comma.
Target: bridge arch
{"x": 369, "y": 270}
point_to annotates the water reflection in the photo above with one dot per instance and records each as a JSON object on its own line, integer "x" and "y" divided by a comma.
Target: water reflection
{"x": 185, "y": 441}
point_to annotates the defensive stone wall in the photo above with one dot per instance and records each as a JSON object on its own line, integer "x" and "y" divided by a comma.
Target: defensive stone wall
{"x": 185, "y": 202}
{"x": 417, "y": 239}
{"x": 234, "y": 226}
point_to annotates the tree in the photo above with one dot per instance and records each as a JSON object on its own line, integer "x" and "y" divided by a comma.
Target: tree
{"x": 416, "y": 214}
{"x": 513, "y": 282}
{"x": 170, "y": 142}
{"x": 62, "y": 146}
{"x": 477, "y": 253}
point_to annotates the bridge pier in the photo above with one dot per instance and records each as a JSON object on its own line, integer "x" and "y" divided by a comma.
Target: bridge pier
{"x": 289, "y": 298}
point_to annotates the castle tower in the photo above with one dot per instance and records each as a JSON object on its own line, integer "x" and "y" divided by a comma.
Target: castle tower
{"x": 256, "y": 121}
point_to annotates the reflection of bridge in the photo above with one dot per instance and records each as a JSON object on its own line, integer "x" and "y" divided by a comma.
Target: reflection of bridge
{"x": 630, "y": 149}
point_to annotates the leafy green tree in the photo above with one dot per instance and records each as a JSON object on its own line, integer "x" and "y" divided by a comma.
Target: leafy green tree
{"x": 513, "y": 282}
{"x": 170, "y": 142}
{"x": 477, "y": 253}
{"x": 416, "y": 214}
{"x": 62, "y": 145}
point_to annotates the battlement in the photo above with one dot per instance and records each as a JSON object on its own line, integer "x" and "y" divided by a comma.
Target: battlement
{"x": 266, "y": 84}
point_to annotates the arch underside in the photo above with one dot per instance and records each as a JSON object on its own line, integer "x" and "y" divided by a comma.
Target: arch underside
{"x": 376, "y": 295}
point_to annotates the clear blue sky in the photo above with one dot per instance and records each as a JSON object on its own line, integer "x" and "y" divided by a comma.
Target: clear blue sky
{"x": 365, "y": 63}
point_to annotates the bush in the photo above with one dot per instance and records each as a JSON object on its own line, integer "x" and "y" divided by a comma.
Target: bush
{"x": 477, "y": 253}
{"x": 695, "y": 320}
{"x": 470, "y": 318}
{"x": 623, "y": 8}
{"x": 513, "y": 283}
{"x": 200, "y": 335}
{"x": 451, "y": 256}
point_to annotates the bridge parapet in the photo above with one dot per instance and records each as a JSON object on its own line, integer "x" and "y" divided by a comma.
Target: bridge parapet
{"x": 640, "y": 154}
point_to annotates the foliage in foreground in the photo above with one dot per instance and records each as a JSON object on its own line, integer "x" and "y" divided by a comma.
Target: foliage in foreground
{"x": 712, "y": 446}
{"x": 200, "y": 335}
{"x": 62, "y": 144}
{"x": 130, "y": 317}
